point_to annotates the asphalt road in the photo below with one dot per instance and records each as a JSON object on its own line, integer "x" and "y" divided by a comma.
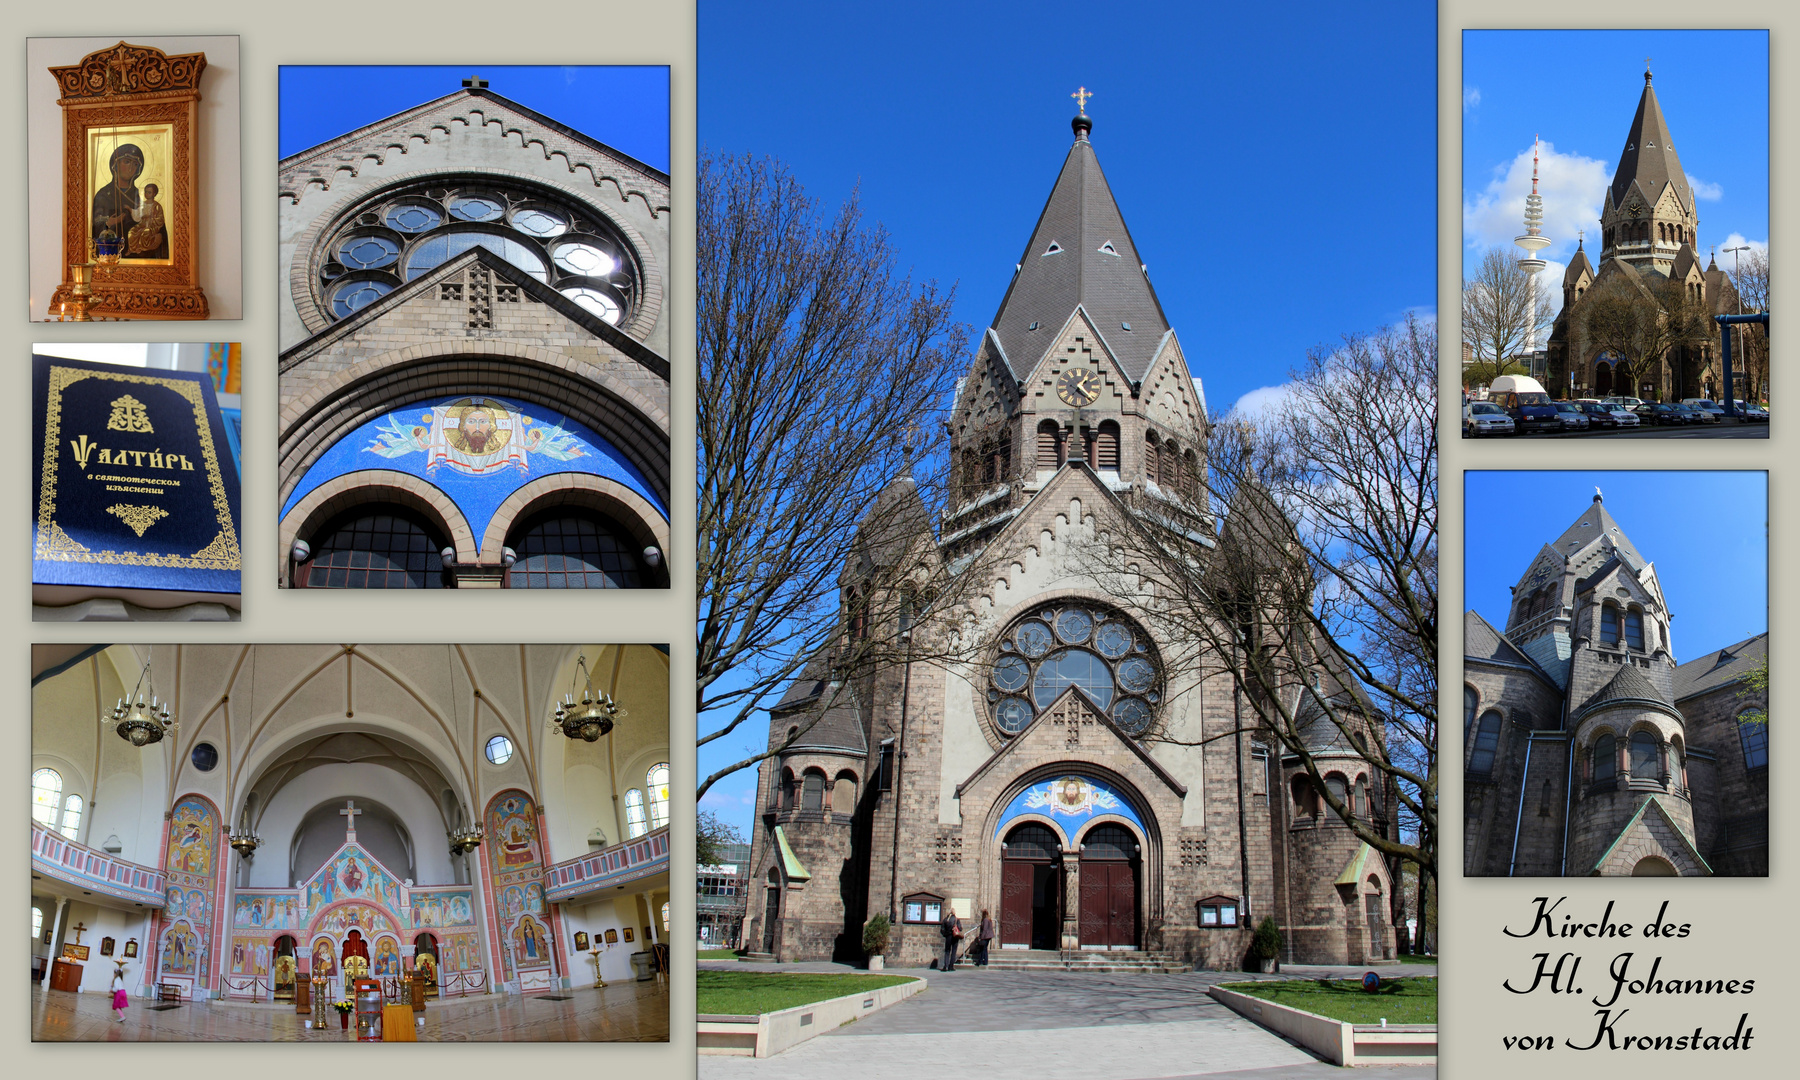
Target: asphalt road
{"x": 1698, "y": 431}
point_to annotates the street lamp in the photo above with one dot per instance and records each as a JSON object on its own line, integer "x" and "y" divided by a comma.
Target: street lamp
{"x": 1733, "y": 252}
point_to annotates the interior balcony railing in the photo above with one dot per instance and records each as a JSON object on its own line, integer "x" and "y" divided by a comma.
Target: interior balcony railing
{"x": 56, "y": 856}
{"x": 609, "y": 867}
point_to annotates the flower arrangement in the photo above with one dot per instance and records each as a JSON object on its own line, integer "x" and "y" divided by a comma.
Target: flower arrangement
{"x": 343, "y": 1007}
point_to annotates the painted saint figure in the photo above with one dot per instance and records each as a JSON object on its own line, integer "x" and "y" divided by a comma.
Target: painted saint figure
{"x": 147, "y": 235}
{"x": 118, "y": 205}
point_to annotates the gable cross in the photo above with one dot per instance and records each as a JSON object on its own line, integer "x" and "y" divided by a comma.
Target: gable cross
{"x": 475, "y": 82}
{"x": 79, "y": 929}
{"x": 1081, "y": 97}
{"x": 349, "y": 812}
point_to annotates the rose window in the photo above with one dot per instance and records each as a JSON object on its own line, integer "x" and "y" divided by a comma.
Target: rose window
{"x": 1061, "y": 645}
{"x": 405, "y": 232}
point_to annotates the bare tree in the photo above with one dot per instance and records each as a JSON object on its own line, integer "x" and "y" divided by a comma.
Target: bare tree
{"x": 819, "y": 362}
{"x": 1641, "y": 324}
{"x": 1503, "y": 314}
{"x": 1750, "y": 276}
{"x": 1320, "y": 598}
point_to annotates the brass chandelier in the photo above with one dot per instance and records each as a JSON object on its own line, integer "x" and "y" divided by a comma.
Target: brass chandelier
{"x": 465, "y": 839}
{"x": 141, "y": 722}
{"x": 592, "y": 716}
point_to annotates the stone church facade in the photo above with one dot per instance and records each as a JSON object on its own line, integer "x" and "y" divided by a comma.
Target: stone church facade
{"x": 474, "y": 365}
{"x": 1649, "y": 238}
{"x": 1080, "y": 769}
{"x": 1589, "y": 750}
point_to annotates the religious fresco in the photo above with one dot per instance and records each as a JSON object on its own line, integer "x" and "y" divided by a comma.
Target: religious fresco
{"x": 530, "y": 943}
{"x": 188, "y": 896}
{"x": 512, "y": 825}
{"x": 249, "y": 955}
{"x": 340, "y": 920}
{"x": 387, "y": 956}
{"x": 266, "y": 912}
{"x": 477, "y": 450}
{"x": 352, "y": 873}
{"x": 1069, "y": 801}
{"x": 517, "y": 871}
{"x": 442, "y": 909}
{"x": 516, "y": 900}
{"x": 461, "y": 952}
{"x": 324, "y": 957}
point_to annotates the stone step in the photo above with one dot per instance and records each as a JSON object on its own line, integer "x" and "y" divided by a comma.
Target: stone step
{"x": 1136, "y": 960}
{"x": 758, "y": 957}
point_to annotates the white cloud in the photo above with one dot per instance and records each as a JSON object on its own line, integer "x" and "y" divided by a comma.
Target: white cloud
{"x": 1471, "y": 97}
{"x": 1573, "y": 188}
{"x": 1263, "y": 401}
{"x": 1705, "y": 191}
{"x": 1738, "y": 240}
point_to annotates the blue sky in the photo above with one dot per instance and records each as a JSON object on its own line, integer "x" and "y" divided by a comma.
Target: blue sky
{"x": 626, "y": 108}
{"x": 1578, "y": 90}
{"x": 1277, "y": 173}
{"x": 1706, "y": 532}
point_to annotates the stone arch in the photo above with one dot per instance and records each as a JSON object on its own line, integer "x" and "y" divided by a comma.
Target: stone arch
{"x": 343, "y": 493}
{"x": 843, "y": 793}
{"x": 585, "y": 491}
{"x": 812, "y": 789}
{"x": 1654, "y": 866}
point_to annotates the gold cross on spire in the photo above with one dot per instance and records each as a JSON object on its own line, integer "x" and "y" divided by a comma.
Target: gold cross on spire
{"x": 1081, "y": 95}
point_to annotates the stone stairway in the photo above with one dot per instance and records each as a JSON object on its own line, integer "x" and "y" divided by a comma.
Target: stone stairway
{"x": 1134, "y": 961}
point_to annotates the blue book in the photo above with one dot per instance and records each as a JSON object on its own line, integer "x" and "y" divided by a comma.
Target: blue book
{"x": 136, "y": 489}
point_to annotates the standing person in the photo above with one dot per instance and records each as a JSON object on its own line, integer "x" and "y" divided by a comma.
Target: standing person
{"x": 951, "y": 927}
{"x": 120, "y": 998}
{"x": 984, "y": 937}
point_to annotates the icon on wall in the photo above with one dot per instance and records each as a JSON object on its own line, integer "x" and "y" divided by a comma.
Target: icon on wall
{"x": 131, "y": 948}
{"x": 581, "y": 941}
{"x": 106, "y": 946}
{"x": 627, "y": 933}
{"x": 612, "y": 937}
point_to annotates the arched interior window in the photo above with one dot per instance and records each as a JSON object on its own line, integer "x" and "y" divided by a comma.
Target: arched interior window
{"x": 1634, "y": 630}
{"x": 1753, "y": 734}
{"x": 1644, "y": 765}
{"x": 843, "y": 794}
{"x": 637, "y": 820}
{"x": 1606, "y": 757}
{"x": 812, "y": 794}
{"x": 71, "y": 822}
{"x": 37, "y": 923}
{"x": 656, "y": 781}
{"x": 1609, "y": 624}
{"x": 571, "y": 549}
{"x": 375, "y": 547}
{"x": 1106, "y": 446}
{"x": 46, "y": 796}
{"x": 665, "y": 919}
{"x": 1487, "y": 741}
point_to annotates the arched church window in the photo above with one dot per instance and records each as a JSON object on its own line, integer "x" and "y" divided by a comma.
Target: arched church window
{"x": 563, "y": 549}
{"x": 1676, "y": 777}
{"x": 788, "y": 785}
{"x": 1644, "y": 765}
{"x": 1059, "y": 645}
{"x": 1362, "y": 797}
{"x": 375, "y": 547}
{"x": 1606, "y": 757}
{"x": 1609, "y": 624}
{"x": 1470, "y": 701}
{"x": 812, "y": 791}
{"x": 1634, "y": 630}
{"x": 408, "y": 230}
{"x": 1339, "y": 789}
{"x": 1190, "y": 476}
{"x": 1046, "y": 445}
{"x": 1106, "y": 446}
{"x": 1753, "y": 734}
{"x": 665, "y": 919}
{"x": 1487, "y": 742}
{"x": 71, "y": 820}
{"x": 37, "y": 923}
{"x": 843, "y": 794}
{"x": 637, "y": 821}
{"x": 656, "y": 781}
{"x": 46, "y": 796}
{"x": 1306, "y": 800}
{"x": 1151, "y": 459}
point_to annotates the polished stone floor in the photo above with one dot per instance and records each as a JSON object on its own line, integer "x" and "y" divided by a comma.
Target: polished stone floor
{"x": 622, "y": 1012}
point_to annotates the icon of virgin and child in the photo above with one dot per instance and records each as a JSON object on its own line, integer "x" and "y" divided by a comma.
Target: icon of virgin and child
{"x": 123, "y": 214}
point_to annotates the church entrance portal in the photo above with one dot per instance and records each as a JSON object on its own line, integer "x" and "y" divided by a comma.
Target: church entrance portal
{"x": 1109, "y": 872}
{"x": 1602, "y": 379}
{"x": 1031, "y": 889}
{"x": 425, "y": 961}
{"x": 771, "y": 911}
{"x": 285, "y": 970}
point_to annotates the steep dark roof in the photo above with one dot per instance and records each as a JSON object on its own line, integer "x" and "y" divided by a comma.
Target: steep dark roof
{"x": 1576, "y": 265}
{"x": 1482, "y": 642}
{"x": 1720, "y": 668}
{"x": 1628, "y": 684}
{"x": 898, "y": 517}
{"x": 1649, "y": 155}
{"x": 1096, "y": 266}
{"x": 840, "y": 729}
{"x": 807, "y": 685}
{"x": 1594, "y": 522}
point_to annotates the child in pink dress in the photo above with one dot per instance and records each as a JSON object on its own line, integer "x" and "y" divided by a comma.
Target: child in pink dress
{"x": 120, "y": 998}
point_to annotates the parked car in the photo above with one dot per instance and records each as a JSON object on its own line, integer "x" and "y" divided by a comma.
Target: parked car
{"x": 1573, "y": 419}
{"x": 1609, "y": 416}
{"x": 1701, "y": 414}
{"x": 1526, "y": 401}
{"x": 1651, "y": 412}
{"x": 1628, "y": 402}
{"x": 1752, "y": 413}
{"x": 1485, "y": 418}
{"x": 1705, "y": 405}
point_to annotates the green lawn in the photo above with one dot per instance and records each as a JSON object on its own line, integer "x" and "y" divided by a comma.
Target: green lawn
{"x": 1418, "y": 959}
{"x": 1399, "y": 1001}
{"x": 747, "y": 992}
{"x": 716, "y": 954}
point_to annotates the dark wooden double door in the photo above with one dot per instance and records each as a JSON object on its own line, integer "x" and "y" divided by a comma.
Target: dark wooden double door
{"x": 1108, "y": 903}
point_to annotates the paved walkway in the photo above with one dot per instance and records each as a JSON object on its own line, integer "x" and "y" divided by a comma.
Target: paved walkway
{"x": 622, "y": 1012}
{"x": 1013, "y": 1025}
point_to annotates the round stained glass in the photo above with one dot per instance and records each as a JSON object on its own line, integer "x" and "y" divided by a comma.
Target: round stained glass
{"x": 368, "y": 252}
{"x": 355, "y": 295}
{"x": 437, "y": 250}
{"x": 476, "y": 207}
{"x": 601, "y": 305}
{"x": 413, "y": 218}
{"x": 1072, "y": 667}
{"x": 1011, "y": 674}
{"x": 206, "y": 757}
{"x": 1033, "y": 639}
{"x": 1113, "y": 640}
{"x": 1013, "y": 714}
{"x": 1132, "y": 716}
{"x": 1137, "y": 675}
{"x": 539, "y": 223}
{"x": 1074, "y": 625}
{"x": 584, "y": 259}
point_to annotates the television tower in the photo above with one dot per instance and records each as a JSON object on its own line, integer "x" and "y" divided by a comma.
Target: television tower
{"x": 1533, "y": 241}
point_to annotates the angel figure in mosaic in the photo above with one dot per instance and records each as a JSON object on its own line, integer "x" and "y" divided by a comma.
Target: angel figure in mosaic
{"x": 554, "y": 443}
{"x": 396, "y": 440}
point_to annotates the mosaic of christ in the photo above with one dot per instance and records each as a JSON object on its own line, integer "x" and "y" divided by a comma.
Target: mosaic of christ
{"x": 478, "y": 429}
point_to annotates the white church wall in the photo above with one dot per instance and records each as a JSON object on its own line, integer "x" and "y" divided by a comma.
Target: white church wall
{"x": 121, "y": 810}
{"x": 100, "y": 923}
{"x": 596, "y": 918}
{"x": 577, "y": 799}
{"x": 339, "y": 783}
{"x": 218, "y": 158}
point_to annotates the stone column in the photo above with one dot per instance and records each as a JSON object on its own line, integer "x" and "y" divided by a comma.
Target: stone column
{"x": 1071, "y": 915}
